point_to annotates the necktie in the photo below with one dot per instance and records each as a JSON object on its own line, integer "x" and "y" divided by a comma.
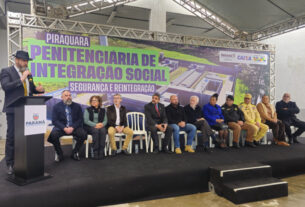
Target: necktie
{"x": 25, "y": 88}
{"x": 157, "y": 110}
{"x": 68, "y": 115}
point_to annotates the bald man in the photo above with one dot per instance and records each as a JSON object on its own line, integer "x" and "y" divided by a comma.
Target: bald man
{"x": 67, "y": 118}
{"x": 178, "y": 121}
{"x": 286, "y": 111}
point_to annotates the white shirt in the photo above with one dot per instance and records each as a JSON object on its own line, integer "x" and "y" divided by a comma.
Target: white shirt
{"x": 117, "y": 111}
{"x": 26, "y": 80}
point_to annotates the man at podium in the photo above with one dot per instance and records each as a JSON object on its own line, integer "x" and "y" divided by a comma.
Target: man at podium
{"x": 16, "y": 81}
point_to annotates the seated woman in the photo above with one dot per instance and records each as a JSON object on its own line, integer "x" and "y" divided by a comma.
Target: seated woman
{"x": 213, "y": 114}
{"x": 269, "y": 117}
{"x": 95, "y": 120}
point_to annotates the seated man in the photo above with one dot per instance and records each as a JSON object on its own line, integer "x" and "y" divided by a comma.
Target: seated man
{"x": 117, "y": 123}
{"x": 157, "y": 121}
{"x": 235, "y": 119}
{"x": 194, "y": 116}
{"x": 287, "y": 111}
{"x": 213, "y": 114}
{"x": 177, "y": 120}
{"x": 67, "y": 118}
{"x": 269, "y": 117}
{"x": 253, "y": 118}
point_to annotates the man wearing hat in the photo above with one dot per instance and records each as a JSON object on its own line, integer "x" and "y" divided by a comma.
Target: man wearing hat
{"x": 235, "y": 119}
{"x": 16, "y": 81}
{"x": 252, "y": 117}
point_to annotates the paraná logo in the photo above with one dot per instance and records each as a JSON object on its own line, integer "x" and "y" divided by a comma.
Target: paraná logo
{"x": 35, "y": 116}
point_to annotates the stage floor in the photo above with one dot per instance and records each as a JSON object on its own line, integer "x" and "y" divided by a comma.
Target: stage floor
{"x": 138, "y": 177}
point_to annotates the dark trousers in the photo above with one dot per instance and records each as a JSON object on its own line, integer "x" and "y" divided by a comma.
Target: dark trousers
{"x": 79, "y": 135}
{"x": 154, "y": 135}
{"x": 10, "y": 139}
{"x": 278, "y": 130}
{"x": 98, "y": 138}
{"x": 205, "y": 129}
{"x": 294, "y": 122}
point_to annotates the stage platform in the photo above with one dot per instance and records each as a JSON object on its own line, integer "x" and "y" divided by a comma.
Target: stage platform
{"x": 138, "y": 177}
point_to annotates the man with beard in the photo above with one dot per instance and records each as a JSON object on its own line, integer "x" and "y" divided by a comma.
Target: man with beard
{"x": 178, "y": 121}
{"x": 16, "y": 81}
{"x": 286, "y": 111}
{"x": 67, "y": 118}
{"x": 157, "y": 121}
{"x": 194, "y": 116}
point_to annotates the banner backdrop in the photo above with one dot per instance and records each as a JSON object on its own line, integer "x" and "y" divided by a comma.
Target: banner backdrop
{"x": 90, "y": 65}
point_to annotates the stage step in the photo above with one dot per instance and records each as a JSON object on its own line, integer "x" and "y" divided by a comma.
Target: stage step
{"x": 240, "y": 171}
{"x": 246, "y": 183}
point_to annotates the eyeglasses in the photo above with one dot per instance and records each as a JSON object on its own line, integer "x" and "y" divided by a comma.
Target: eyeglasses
{"x": 94, "y": 100}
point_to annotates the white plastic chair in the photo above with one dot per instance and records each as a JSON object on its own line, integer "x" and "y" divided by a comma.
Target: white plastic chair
{"x": 89, "y": 139}
{"x": 135, "y": 123}
{"x": 211, "y": 145}
{"x": 66, "y": 137}
{"x": 185, "y": 139}
{"x": 160, "y": 136}
{"x": 243, "y": 134}
{"x": 119, "y": 137}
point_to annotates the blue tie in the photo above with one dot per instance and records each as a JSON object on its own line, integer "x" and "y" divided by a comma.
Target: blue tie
{"x": 68, "y": 115}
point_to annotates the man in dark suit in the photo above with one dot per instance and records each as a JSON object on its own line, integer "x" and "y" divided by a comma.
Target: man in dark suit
{"x": 16, "y": 81}
{"x": 286, "y": 111}
{"x": 67, "y": 118}
{"x": 157, "y": 121}
{"x": 117, "y": 123}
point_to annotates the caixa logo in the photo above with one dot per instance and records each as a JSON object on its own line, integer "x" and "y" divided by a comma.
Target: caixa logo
{"x": 35, "y": 116}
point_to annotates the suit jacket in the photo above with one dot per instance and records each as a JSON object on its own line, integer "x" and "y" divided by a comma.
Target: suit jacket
{"x": 111, "y": 116}
{"x": 13, "y": 87}
{"x": 152, "y": 117}
{"x": 290, "y": 113}
{"x": 59, "y": 119}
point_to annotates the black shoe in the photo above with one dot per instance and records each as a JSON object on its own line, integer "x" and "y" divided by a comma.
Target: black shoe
{"x": 250, "y": 144}
{"x": 236, "y": 145}
{"x": 207, "y": 150}
{"x": 165, "y": 150}
{"x": 156, "y": 151}
{"x": 95, "y": 156}
{"x": 59, "y": 152}
{"x": 75, "y": 156}
{"x": 256, "y": 143}
{"x": 59, "y": 158}
{"x": 125, "y": 152}
{"x": 290, "y": 141}
{"x": 10, "y": 170}
{"x": 114, "y": 152}
{"x": 295, "y": 140}
{"x": 101, "y": 156}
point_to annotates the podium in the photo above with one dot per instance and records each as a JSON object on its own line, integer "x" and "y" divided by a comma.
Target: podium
{"x": 29, "y": 146}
